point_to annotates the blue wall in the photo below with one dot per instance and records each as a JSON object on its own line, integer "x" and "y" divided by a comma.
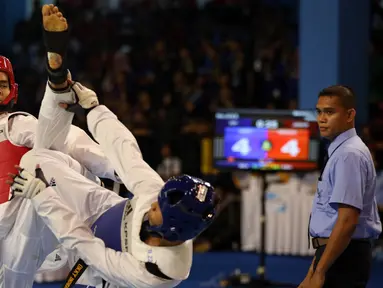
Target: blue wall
{"x": 334, "y": 43}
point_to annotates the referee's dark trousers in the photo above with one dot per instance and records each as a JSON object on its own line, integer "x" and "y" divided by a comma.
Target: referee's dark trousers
{"x": 352, "y": 268}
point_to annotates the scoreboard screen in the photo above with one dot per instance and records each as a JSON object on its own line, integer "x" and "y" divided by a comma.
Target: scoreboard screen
{"x": 281, "y": 140}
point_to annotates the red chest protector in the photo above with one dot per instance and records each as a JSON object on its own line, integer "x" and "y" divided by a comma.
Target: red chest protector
{"x": 10, "y": 155}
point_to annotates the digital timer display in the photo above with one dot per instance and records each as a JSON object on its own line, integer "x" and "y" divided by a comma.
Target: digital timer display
{"x": 267, "y": 123}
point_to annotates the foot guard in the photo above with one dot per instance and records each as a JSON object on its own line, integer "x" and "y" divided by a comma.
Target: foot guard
{"x": 57, "y": 42}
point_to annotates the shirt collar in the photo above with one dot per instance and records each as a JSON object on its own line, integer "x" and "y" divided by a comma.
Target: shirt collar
{"x": 340, "y": 139}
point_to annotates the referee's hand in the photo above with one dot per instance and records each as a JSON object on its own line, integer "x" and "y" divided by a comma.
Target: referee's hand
{"x": 306, "y": 282}
{"x": 317, "y": 280}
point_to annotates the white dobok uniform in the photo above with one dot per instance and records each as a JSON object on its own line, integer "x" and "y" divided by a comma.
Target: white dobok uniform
{"x": 25, "y": 241}
{"x": 71, "y": 207}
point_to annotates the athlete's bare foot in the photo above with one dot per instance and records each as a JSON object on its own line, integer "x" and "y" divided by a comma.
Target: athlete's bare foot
{"x": 54, "y": 21}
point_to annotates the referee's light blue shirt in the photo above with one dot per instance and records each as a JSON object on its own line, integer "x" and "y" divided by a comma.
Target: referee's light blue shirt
{"x": 379, "y": 188}
{"x": 348, "y": 178}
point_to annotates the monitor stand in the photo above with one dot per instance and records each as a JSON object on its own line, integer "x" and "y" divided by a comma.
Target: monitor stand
{"x": 243, "y": 280}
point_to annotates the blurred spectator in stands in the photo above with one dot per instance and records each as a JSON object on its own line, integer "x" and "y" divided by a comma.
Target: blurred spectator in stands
{"x": 170, "y": 165}
{"x": 163, "y": 67}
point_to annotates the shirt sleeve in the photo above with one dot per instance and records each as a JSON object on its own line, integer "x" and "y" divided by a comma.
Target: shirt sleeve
{"x": 82, "y": 148}
{"x": 78, "y": 145}
{"x": 115, "y": 267}
{"x": 122, "y": 150}
{"x": 350, "y": 175}
{"x": 379, "y": 188}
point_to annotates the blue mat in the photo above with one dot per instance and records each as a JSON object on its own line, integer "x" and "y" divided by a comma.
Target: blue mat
{"x": 208, "y": 269}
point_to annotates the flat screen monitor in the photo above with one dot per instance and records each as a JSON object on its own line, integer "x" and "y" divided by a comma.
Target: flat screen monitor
{"x": 278, "y": 140}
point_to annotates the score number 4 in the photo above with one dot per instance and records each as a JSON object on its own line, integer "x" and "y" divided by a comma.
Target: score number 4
{"x": 291, "y": 147}
{"x": 243, "y": 147}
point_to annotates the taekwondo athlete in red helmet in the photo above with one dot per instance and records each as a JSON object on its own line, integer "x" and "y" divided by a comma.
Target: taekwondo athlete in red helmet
{"x": 9, "y": 88}
{"x": 8, "y": 97}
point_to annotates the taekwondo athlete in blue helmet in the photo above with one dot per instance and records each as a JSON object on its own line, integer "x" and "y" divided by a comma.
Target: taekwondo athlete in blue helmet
{"x": 142, "y": 242}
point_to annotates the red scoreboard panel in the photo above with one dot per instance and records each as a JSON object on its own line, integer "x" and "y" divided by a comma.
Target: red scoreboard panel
{"x": 289, "y": 144}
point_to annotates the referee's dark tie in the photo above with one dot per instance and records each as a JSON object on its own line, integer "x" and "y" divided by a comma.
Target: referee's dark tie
{"x": 325, "y": 160}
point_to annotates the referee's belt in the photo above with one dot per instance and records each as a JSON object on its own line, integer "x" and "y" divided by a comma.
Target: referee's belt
{"x": 319, "y": 242}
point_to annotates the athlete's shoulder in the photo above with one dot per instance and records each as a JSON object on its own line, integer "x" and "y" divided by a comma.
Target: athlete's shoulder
{"x": 21, "y": 115}
{"x": 176, "y": 261}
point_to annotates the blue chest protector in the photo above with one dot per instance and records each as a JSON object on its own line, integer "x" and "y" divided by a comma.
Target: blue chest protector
{"x": 111, "y": 228}
{"x": 108, "y": 226}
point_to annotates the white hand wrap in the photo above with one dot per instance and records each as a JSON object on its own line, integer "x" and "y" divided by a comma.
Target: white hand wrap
{"x": 26, "y": 185}
{"x": 87, "y": 98}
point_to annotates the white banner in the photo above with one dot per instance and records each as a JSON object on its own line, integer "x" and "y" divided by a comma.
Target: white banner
{"x": 288, "y": 208}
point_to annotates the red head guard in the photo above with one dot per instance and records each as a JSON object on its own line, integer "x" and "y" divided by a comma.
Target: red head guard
{"x": 6, "y": 67}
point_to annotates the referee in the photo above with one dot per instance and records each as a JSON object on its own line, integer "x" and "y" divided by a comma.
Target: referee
{"x": 344, "y": 217}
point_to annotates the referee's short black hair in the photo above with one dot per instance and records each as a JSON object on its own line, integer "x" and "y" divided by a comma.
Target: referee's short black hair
{"x": 345, "y": 94}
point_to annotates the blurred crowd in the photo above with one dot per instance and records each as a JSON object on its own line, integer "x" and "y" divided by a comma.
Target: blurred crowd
{"x": 163, "y": 67}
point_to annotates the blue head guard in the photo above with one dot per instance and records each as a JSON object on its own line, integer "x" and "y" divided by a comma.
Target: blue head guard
{"x": 188, "y": 207}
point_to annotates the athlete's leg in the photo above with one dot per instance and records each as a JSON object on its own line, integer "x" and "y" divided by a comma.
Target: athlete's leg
{"x": 54, "y": 122}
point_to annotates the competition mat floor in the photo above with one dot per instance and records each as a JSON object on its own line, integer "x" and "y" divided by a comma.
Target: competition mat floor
{"x": 209, "y": 268}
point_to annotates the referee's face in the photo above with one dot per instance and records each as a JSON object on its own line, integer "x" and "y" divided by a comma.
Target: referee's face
{"x": 332, "y": 117}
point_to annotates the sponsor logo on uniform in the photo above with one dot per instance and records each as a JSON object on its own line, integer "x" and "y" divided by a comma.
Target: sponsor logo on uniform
{"x": 125, "y": 227}
{"x": 57, "y": 258}
{"x": 52, "y": 182}
{"x": 150, "y": 256}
